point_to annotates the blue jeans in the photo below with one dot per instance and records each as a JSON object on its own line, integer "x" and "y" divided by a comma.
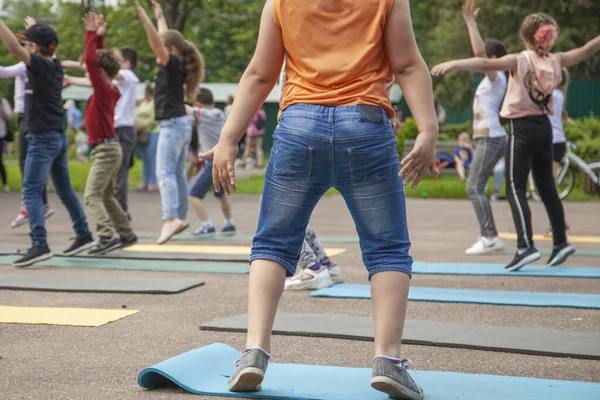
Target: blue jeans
{"x": 173, "y": 143}
{"x": 47, "y": 156}
{"x": 352, "y": 149}
{"x": 148, "y": 156}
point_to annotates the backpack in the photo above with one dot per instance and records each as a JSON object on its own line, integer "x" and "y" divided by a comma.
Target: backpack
{"x": 261, "y": 122}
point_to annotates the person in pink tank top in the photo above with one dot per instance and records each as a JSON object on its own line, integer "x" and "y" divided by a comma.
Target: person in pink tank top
{"x": 534, "y": 74}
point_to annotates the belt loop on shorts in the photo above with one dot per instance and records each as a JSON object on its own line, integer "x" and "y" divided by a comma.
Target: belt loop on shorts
{"x": 109, "y": 140}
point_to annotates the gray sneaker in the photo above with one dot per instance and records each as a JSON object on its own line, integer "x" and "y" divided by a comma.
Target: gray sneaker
{"x": 394, "y": 380}
{"x": 250, "y": 372}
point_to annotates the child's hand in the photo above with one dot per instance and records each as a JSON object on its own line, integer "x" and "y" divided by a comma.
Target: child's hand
{"x": 89, "y": 20}
{"x": 141, "y": 11}
{"x": 101, "y": 23}
{"x": 469, "y": 11}
{"x": 442, "y": 68}
{"x": 224, "y": 154}
{"x": 157, "y": 7}
{"x": 420, "y": 160}
{"x": 29, "y": 22}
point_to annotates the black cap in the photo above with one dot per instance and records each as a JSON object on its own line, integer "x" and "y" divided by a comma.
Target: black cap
{"x": 42, "y": 35}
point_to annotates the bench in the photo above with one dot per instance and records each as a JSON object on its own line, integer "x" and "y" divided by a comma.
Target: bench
{"x": 447, "y": 146}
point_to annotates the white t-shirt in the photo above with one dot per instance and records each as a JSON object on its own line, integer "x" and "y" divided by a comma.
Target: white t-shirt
{"x": 125, "y": 109}
{"x": 487, "y": 103}
{"x": 19, "y": 73}
{"x": 558, "y": 133}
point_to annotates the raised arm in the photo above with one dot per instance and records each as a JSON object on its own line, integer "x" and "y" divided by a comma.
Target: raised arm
{"x": 413, "y": 77}
{"x": 13, "y": 71}
{"x": 12, "y": 44}
{"x": 76, "y": 65}
{"x": 155, "y": 43}
{"x": 92, "y": 42}
{"x": 575, "y": 56}
{"x": 505, "y": 63}
{"x": 77, "y": 81}
{"x": 470, "y": 14}
{"x": 161, "y": 21}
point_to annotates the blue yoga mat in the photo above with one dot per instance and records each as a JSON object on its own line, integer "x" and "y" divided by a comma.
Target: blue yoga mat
{"x": 205, "y": 371}
{"x": 503, "y": 298}
{"x": 498, "y": 269}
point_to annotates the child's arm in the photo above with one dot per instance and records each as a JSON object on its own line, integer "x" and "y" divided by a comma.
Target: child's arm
{"x": 12, "y": 44}
{"x": 77, "y": 81}
{"x": 155, "y": 43}
{"x": 161, "y": 21}
{"x": 470, "y": 14}
{"x": 505, "y": 63}
{"x": 413, "y": 77}
{"x": 13, "y": 71}
{"x": 89, "y": 55}
{"x": 575, "y": 56}
{"x": 68, "y": 64}
{"x": 255, "y": 85}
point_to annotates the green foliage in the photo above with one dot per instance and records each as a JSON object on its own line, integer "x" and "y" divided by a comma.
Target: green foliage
{"x": 451, "y": 131}
{"x": 585, "y": 133}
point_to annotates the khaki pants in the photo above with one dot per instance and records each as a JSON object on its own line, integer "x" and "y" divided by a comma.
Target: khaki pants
{"x": 100, "y": 191}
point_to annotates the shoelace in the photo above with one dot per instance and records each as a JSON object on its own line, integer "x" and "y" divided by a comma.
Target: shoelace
{"x": 405, "y": 363}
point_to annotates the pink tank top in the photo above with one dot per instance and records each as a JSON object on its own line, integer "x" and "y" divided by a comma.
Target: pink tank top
{"x": 531, "y": 69}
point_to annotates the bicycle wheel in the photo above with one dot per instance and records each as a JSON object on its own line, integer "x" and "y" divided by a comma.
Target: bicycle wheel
{"x": 566, "y": 184}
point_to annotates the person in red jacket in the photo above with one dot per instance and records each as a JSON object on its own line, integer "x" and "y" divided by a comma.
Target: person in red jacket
{"x": 106, "y": 154}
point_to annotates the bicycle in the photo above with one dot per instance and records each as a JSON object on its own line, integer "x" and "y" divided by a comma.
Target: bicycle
{"x": 566, "y": 177}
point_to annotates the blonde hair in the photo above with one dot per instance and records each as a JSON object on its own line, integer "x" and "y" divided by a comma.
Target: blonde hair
{"x": 192, "y": 59}
{"x": 530, "y": 26}
{"x": 564, "y": 85}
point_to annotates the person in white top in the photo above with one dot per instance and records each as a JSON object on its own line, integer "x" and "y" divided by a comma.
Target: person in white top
{"x": 489, "y": 137}
{"x": 125, "y": 110}
{"x": 559, "y": 139}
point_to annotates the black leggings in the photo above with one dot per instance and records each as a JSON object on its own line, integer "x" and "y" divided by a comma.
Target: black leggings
{"x": 23, "y": 156}
{"x": 530, "y": 148}
{"x": 2, "y": 169}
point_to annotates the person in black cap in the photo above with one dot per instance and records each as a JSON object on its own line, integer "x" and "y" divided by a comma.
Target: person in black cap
{"x": 47, "y": 143}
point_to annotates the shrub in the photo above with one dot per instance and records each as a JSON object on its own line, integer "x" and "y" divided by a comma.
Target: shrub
{"x": 451, "y": 131}
{"x": 585, "y": 133}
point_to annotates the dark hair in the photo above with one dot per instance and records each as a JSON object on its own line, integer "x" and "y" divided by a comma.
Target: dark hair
{"x": 149, "y": 90}
{"x": 110, "y": 61}
{"x": 205, "y": 97}
{"x": 130, "y": 55}
{"x": 495, "y": 47}
{"x": 45, "y": 51}
{"x": 230, "y": 99}
{"x": 192, "y": 60}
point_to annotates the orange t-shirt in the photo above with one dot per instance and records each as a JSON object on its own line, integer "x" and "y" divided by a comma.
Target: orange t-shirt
{"x": 335, "y": 52}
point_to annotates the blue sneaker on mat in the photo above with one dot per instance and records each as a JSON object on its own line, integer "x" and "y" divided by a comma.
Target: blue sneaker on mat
{"x": 228, "y": 230}
{"x": 205, "y": 232}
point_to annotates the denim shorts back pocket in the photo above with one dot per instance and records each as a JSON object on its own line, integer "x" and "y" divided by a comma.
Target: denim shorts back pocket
{"x": 292, "y": 162}
{"x": 371, "y": 170}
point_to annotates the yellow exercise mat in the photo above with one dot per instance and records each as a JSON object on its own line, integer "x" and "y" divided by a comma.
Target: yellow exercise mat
{"x": 197, "y": 249}
{"x": 572, "y": 238}
{"x": 61, "y": 316}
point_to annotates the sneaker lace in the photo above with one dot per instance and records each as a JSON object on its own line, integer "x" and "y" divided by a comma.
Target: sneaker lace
{"x": 407, "y": 364}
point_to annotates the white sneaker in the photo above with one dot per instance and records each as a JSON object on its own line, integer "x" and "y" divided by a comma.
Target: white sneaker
{"x": 336, "y": 274}
{"x": 484, "y": 246}
{"x": 307, "y": 279}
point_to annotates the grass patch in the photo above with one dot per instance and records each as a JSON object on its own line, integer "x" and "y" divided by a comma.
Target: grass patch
{"x": 447, "y": 187}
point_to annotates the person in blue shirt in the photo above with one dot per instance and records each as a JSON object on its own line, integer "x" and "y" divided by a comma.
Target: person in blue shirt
{"x": 74, "y": 115}
{"x": 463, "y": 155}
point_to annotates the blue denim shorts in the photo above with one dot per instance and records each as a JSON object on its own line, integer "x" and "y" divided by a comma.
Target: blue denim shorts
{"x": 203, "y": 181}
{"x": 350, "y": 148}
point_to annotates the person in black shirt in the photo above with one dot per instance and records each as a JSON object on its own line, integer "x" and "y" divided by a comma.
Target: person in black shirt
{"x": 47, "y": 144}
{"x": 181, "y": 69}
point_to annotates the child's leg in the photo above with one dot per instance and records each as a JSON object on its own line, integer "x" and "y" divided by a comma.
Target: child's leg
{"x": 259, "y": 151}
{"x": 106, "y": 160}
{"x": 308, "y": 258}
{"x": 519, "y": 157}
{"x": 226, "y": 207}
{"x": 118, "y": 219}
{"x": 460, "y": 168}
{"x": 43, "y": 148}
{"x": 126, "y": 136}
{"x": 167, "y": 158}
{"x": 544, "y": 180}
{"x": 310, "y": 238}
{"x": 182, "y": 181}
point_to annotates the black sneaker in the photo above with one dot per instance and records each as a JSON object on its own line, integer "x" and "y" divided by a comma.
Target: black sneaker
{"x": 105, "y": 245}
{"x": 560, "y": 253}
{"x": 79, "y": 245}
{"x": 228, "y": 230}
{"x": 521, "y": 260}
{"x": 34, "y": 254}
{"x": 128, "y": 241}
